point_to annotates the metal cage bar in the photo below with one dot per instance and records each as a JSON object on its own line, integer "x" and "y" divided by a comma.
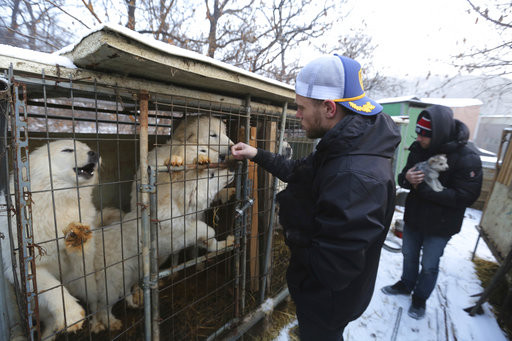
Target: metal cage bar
{"x": 23, "y": 203}
{"x": 91, "y": 103}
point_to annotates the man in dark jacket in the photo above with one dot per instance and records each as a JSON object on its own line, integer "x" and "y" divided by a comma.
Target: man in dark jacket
{"x": 431, "y": 217}
{"x": 338, "y": 205}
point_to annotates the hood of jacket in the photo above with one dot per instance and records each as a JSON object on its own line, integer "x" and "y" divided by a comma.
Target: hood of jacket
{"x": 448, "y": 133}
{"x": 362, "y": 135}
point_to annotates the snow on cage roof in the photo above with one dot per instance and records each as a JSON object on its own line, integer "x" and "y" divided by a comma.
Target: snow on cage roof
{"x": 35, "y": 56}
{"x": 114, "y": 48}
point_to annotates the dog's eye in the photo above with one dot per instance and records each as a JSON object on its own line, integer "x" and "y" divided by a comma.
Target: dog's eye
{"x": 213, "y": 135}
{"x": 203, "y": 150}
{"x": 67, "y": 150}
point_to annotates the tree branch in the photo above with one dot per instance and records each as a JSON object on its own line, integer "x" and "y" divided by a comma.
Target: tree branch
{"x": 65, "y": 12}
{"x": 91, "y": 9}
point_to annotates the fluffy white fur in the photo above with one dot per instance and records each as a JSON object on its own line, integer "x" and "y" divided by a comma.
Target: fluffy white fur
{"x": 203, "y": 131}
{"x": 182, "y": 197}
{"x": 56, "y": 217}
{"x": 192, "y": 139}
{"x": 431, "y": 168}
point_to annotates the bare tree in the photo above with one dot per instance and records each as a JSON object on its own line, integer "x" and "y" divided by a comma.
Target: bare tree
{"x": 494, "y": 59}
{"x": 286, "y": 29}
{"x": 262, "y": 36}
{"x": 131, "y": 14}
{"x": 231, "y": 30}
{"x": 30, "y": 24}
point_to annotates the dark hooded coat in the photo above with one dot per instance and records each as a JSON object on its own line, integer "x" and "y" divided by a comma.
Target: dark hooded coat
{"x": 442, "y": 213}
{"x": 336, "y": 212}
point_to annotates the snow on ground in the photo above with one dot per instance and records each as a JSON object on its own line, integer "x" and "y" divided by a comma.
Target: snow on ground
{"x": 445, "y": 318}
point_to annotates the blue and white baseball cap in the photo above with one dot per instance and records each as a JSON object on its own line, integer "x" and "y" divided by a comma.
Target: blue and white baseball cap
{"x": 337, "y": 78}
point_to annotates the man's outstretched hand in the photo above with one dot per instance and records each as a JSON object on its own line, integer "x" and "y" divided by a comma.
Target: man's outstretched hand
{"x": 242, "y": 151}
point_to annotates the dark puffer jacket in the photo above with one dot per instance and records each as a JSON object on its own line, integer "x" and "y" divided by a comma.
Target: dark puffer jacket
{"x": 442, "y": 213}
{"x": 336, "y": 211}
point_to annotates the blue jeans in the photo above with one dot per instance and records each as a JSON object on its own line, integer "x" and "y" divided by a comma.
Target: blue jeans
{"x": 421, "y": 283}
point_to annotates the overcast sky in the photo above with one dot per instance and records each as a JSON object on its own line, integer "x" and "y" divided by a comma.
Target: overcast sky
{"x": 415, "y": 36}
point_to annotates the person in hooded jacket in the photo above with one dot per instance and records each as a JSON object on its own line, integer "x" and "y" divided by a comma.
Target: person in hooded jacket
{"x": 337, "y": 207}
{"x": 431, "y": 217}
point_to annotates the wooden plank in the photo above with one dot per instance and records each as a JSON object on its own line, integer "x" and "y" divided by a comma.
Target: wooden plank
{"x": 253, "y": 231}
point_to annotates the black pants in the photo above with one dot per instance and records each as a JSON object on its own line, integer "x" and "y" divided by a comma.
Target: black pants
{"x": 312, "y": 331}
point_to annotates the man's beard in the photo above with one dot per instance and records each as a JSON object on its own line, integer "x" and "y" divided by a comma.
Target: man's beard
{"x": 316, "y": 131}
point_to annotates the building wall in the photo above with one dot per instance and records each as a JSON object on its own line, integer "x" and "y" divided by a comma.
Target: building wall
{"x": 489, "y": 131}
{"x": 468, "y": 115}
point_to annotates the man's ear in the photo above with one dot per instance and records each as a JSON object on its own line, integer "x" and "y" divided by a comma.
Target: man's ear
{"x": 330, "y": 107}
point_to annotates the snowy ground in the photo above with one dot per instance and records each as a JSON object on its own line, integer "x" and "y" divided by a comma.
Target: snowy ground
{"x": 445, "y": 318}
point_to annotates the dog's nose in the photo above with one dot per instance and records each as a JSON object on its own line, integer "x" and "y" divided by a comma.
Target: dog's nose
{"x": 93, "y": 156}
{"x": 222, "y": 157}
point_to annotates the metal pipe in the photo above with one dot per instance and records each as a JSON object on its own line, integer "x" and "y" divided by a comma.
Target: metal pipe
{"x": 22, "y": 194}
{"x": 155, "y": 294}
{"x": 237, "y": 232}
{"x": 4, "y": 317}
{"x": 246, "y": 197}
{"x": 397, "y": 324}
{"x": 251, "y": 319}
{"x": 4, "y": 183}
{"x": 174, "y": 269}
{"x": 222, "y": 329}
{"x": 268, "y": 246}
{"x": 146, "y": 236}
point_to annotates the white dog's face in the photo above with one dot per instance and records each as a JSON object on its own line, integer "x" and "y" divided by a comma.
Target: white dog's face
{"x": 70, "y": 161}
{"x": 438, "y": 162}
{"x": 205, "y": 131}
{"x": 287, "y": 150}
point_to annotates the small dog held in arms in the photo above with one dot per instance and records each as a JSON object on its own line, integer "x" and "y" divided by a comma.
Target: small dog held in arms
{"x": 63, "y": 217}
{"x": 431, "y": 168}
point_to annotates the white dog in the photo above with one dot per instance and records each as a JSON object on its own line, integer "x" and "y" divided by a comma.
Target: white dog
{"x": 431, "y": 169}
{"x": 206, "y": 136}
{"x": 182, "y": 197}
{"x": 62, "y": 217}
{"x": 188, "y": 192}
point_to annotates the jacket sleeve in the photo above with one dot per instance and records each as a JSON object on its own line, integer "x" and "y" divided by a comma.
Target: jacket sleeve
{"x": 464, "y": 187}
{"x": 277, "y": 164}
{"x": 402, "y": 181}
{"x": 350, "y": 218}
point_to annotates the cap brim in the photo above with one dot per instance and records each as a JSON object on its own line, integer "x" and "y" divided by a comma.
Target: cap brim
{"x": 363, "y": 106}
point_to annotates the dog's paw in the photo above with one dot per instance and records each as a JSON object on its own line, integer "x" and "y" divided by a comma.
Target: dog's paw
{"x": 100, "y": 322}
{"x": 97, "y": 326}
{"x": 230, "y": 240}
{"x": 174, "y": 160}
{"x": 203, "y": 159}
{"x": 76, "y": 234}
{"x": 214, "y": 245}
{"x": 75, "y": 318}
{"x": 136, "y": 299}
{"x": 115, "y": 324}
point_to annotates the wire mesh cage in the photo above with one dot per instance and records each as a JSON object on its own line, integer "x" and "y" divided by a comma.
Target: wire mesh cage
{"x": 124, "y": 216}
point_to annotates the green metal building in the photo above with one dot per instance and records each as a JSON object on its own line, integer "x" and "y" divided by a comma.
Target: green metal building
{"x": 404, "y": 111}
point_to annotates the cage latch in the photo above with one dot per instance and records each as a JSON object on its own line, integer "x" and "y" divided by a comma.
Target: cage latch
{"x": 147, "y": 188}
{"x": 244, "y": 206}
